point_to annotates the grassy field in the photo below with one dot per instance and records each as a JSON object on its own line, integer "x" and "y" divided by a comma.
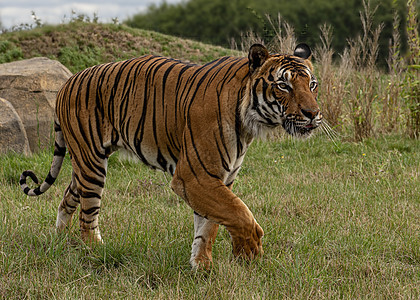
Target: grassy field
{"x": 341, "y": 220}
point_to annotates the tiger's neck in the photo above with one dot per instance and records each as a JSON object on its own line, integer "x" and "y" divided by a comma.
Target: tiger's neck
{"x": 250, "y": 118}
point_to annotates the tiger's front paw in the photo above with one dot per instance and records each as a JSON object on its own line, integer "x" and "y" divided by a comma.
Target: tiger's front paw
{"x": 248, "y": 244}
{"x": 201, "y": 262}
{"x": 91, "y": 236}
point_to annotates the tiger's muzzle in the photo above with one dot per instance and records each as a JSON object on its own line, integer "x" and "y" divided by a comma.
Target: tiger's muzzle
{"x": 303, "y": 125}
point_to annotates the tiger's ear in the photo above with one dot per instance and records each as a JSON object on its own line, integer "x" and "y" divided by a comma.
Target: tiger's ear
{"x": 303, "y": 51}
{"x": 258, "y": 54}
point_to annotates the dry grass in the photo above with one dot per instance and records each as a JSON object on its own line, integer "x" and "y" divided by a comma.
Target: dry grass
{"x": 364, "y": 76}
{"x": 412, "y": 78}
{"x": 333, "y": 88}
{"x": 391, "y": 88}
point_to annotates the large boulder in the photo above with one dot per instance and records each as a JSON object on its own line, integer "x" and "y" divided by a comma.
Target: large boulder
{"x": 31, "y": 87}
{"x": 12, "y": 132}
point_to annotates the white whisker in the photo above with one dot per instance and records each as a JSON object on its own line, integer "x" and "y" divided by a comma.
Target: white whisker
{"x": 334, "y": 133}
{"x": 331, "y": 133}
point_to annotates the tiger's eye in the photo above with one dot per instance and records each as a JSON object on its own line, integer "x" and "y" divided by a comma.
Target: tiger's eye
{"x": 283, "y": 86}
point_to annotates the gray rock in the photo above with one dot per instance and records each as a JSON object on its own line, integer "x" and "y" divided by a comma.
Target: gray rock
{"x": 12, "y": 133}
{"x": 31, "y": 87}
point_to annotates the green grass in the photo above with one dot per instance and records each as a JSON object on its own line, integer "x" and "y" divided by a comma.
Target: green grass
{"x": 340, "y": 221}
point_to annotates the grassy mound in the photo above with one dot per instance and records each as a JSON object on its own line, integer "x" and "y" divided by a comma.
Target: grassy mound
{"x": 79, "y": 45}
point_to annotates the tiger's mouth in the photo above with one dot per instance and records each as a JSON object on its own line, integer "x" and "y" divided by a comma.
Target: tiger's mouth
{"x": 299, "y": 129}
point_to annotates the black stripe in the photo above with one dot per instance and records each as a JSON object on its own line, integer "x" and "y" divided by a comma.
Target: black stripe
{"x": 255, "y": 102}
{"x": 172, "y": 155}
{"x": 197, "y": 86}
{"x": 226, "y": 78}
{"x": 99, "y": 151}
{"x": 91, "y": 211}
{"x": 32, "y": 175}
{"x": 238, "y": 126}
{"x": 161, "y": 160}
{"x": 82, "y": 184}
{"x": 26, "y": 190}
{"x": 164, "y": 80}
{"x": 140, "y": 128}
{"x": 224, "y": 163}
{"x": 50, "y": 180}
{"x": 265, "y": 88}
{"x": 57, "y": 127}
{"x": 200, "y": 237}
{"x": 178, "y": 89}
{"x": 73, "y": 207}
{"x": 114, "y": 136}
{"x": 205, "y": 217}
{"x": 230, "y": 183}
{"x": 73, "y": 193}
{"x": 88, "y": 160}
{"x": 171, "y": 170}
{"x": 59, "y": 151}
{"x": 188, "y": 159}
{"x": 87, "y": 222}
{"x": 85, "y": 195}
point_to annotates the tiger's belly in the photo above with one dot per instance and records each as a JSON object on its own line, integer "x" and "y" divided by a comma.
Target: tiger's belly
{"x": 158, "y": 158}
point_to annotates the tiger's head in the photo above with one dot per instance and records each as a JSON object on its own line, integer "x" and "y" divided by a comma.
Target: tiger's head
{"x": 282, "y": 90}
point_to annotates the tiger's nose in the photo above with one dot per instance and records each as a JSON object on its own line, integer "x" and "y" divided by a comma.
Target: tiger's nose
{"x": 310, "y": 113}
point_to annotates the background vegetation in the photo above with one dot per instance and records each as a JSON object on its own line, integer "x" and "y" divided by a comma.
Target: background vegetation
{"x": 358, "y": 97}
{"x": 207, "y": 20}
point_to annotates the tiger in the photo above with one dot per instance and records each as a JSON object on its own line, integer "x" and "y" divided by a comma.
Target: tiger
{"x": 195, "y": 122}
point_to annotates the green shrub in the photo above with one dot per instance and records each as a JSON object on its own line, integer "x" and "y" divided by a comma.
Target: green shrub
{"x": 77, "y": 58}
{"x": 9, "y": 52}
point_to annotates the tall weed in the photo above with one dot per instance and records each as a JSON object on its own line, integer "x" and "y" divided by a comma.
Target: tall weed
{"x": 285, "y": 39}
{"x": 333, "y": 89}
{"x": 282, "y": 38}
{"x": 364, "y": 76}
{"x": 391, "y": 88}
{"x": 412, "y": 78}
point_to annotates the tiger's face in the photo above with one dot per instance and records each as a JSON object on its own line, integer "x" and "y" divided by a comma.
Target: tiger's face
{"x": 283, "y": 91}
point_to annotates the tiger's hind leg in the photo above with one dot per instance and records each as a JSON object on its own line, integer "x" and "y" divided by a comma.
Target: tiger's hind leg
{"x": 90, "y": 183}
{"x": 67, "y": 206}
{"x": 87, "y": 185}
{"x": 205, "y": 232}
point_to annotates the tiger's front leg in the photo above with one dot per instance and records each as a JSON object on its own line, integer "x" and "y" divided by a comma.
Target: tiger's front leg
{"x": 214, "y": 201}
{"x": 205, "y": 232}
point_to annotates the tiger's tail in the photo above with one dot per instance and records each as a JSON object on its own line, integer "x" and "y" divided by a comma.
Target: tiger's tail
{"x": 59, "y": 153}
